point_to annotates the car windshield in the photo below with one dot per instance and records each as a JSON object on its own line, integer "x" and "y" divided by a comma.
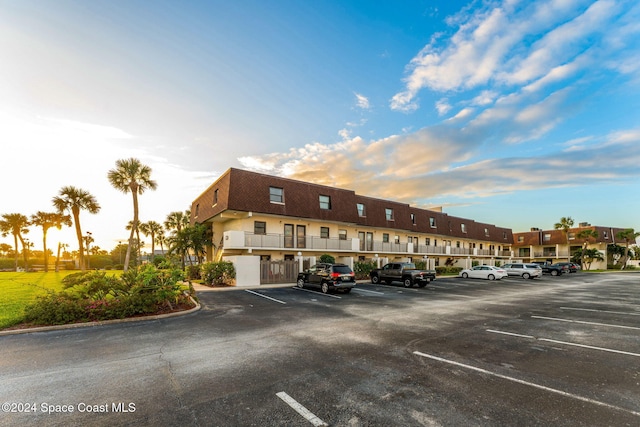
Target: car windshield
{"x": 343, "y": 269}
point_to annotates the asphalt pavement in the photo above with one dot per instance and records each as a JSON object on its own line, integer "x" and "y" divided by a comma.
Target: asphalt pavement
{"x": 559, "y": 351}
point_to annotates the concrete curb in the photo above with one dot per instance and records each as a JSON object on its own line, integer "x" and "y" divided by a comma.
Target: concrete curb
{"x": 102, "y": 322}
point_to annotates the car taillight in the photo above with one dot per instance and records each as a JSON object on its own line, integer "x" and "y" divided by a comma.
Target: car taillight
{"x": 335, "y": 275}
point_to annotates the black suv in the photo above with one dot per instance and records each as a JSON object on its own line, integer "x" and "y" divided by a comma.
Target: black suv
{"x": 328, "y": 277}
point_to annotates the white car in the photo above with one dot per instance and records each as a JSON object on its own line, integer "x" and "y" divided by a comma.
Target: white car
{"x": 484, "y": 272}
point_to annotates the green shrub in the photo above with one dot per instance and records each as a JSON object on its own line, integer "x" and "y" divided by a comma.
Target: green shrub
{"x": 193, "y": 272}
{"x": 326, "y": 258}
{"x": 55, "y": 309}
{"x": 93, "y": 296}
{"x": 362, "y": 269}
{"x": 442, "y": 270}
{"x": 218, "y": 273}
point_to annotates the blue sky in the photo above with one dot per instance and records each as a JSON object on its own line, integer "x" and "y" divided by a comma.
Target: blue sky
{"x": 510, "y": 112}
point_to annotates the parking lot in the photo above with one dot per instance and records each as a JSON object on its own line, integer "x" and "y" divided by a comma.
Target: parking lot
{"x": 550, "y": 351}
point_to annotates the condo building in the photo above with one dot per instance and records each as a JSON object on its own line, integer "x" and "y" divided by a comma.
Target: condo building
{"x": 556, "y": 245}
{"x": 269, "y": 218}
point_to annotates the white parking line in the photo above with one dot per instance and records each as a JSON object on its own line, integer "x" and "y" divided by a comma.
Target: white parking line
{"x": 600, "y": 311}
{"x": 308, "y": 415}
{"x": 367, "y": 290}
{"x": 264, "y": 296}
{"x": 610, "y": 350}
{"x": 510, "y": 333}
{"x": 585, "y": 323}
{"x": 319, "y": 293}
{"x": 519, "y": 381}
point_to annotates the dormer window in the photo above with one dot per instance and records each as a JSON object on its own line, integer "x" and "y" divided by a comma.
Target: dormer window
{"x": 276, "y": 195}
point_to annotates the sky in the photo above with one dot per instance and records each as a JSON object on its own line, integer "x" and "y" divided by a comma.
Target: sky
{"x": 514, "y": 113}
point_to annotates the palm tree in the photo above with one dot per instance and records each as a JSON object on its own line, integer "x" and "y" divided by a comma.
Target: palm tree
{"x": 74, "y": 200}
{"x": 47, "y": 220}
{"x": 629, "y": 236}
{"x": 131, "y": 176}
{"x": 15, "y": 224}
{"x": 151, "y": 228}
{"x": 177, "y": 220}
{"x": 565, "y": 224}
{"x": 161, "y": 239}
{"x": 138, "y": 244}
{"x": 586, "y": 234}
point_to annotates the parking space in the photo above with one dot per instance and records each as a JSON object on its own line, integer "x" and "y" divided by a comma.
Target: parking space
{"x": 550, "y": 351}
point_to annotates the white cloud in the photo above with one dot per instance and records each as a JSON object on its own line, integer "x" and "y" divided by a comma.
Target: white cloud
{"x": 443, "y": 106}
{"x": 362, "y": 101}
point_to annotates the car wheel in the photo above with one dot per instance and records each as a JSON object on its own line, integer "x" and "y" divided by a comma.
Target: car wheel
{"x": 526, "y": 276}
{"x": 491, "y": 277}
{"x": 407, "y": 282}
{"x": 325, "y": 288}
{"x": 375, "y": 279}
{"x": 300, "y": 283}
{"x": 554, "y": 272}
{"x": 465, "y": 275}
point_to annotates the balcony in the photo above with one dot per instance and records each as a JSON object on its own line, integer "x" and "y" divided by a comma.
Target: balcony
{"x": 243, "y": 240}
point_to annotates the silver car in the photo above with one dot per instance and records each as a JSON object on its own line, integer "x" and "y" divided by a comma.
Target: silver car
{"x": 526, "y": 271}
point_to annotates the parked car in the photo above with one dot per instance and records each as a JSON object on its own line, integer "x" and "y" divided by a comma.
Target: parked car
{"x": 572, "y": 266}
{"x": 552, "y": 269}
{"x": 527, "y": 271}
{"x": 405, "y": 272}
{"x": 488, "y": 272}
{"x": 328, "y": 277}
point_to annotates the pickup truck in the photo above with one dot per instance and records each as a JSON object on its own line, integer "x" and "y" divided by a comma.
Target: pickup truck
{"x": 405, "y": 272}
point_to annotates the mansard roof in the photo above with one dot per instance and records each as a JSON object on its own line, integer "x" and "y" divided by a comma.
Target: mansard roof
{"x": 241, "y": 190}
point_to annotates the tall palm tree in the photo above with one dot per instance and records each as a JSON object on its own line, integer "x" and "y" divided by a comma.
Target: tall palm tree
{"x": 74, "y": 200}
{"x": 161, "y": 239}
{"x": 629, "y": 235}
{"x": 151, "y": 228}
{"x": 131, "y": 176}
{"x": 565, "y": 224}
{"x": 47, "y": 220}
{"x": 15, "y": 224}
{"x": 138, "y": 243}
{"x": 586, "y": 235}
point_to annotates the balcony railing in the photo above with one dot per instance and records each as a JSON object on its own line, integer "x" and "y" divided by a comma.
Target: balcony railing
{"x": 280, "y": 241}
{"x": 248, "y": 240}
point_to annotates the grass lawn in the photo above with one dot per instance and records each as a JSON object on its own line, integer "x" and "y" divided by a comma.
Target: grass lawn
{"x": 19, "y": 289}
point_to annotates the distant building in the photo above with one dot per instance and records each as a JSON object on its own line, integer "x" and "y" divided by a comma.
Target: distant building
{"x": 274, "y": 218}
{"x": 555, "y": 246}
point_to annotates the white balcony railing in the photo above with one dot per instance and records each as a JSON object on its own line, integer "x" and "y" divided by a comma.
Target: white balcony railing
{"x": 248, "y": 240}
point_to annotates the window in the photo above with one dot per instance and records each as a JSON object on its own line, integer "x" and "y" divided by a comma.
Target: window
{"x": 572, "y": 236}
{"x": 385, "y": 237}
{"x": 325, "y": 202}
{"x": 260, "y": 227}
{"x": 463, "y": 227}
{"x": 342, "y": 234}
{"x": 388, "y": 213}
{"x": 606, "y": 235}
{"x": 324, "y": 232}
{"x": 547, "y": 237}
{"x": 432, "y": 222}
{"x": 361, "y": 210}
{"x": 520, "y": 239}
{"x": 413, "y": 219}
{"x": 276, "y": 195}
{"x": 427, "y": 241}
{"x": 458, "y": 244}
{"x": 396, "y": 239}
{"x": 215, "y": 197}
{"x": 198, "y": 209}
{"x": 486, "y": 232}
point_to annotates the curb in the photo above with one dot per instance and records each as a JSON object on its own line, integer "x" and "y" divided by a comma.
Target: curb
{"x": 102, "y": 322}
